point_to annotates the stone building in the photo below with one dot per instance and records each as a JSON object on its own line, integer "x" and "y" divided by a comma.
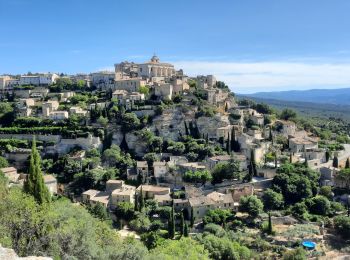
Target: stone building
{"x": 155, "y": 68}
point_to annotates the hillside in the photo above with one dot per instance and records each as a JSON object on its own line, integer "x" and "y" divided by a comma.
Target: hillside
{"x": 308, "y": 109}
{"x": 325, "y": 96}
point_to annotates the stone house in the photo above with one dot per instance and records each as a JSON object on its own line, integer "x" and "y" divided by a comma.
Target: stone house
{"x": 10, "y": 173}
{"x": 160, "y": 169}
{"x": 163, "y": 90}
{"x": 93, "y": 197}
{"x": 51, "y": 183}
{"x": 49, "y": 106}
{"x": 149, "y": 191}
{"x": 58, "y": 115}
{"x": 301, "y": 144}
{"x": 77, "y": 111}
{"x": 125, "y": 193}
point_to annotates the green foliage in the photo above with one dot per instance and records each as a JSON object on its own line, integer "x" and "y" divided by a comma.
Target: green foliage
{"x": 130, "y": 122}
{"x": 228, "y": 171}
{"x": 99, "y": 212}
{"x": 342, "y": 226}
{"x": 125, "y": 211}
{"x": 60, "y": 229}
{"x": 326, "y": 191}
{"x": 3, "y": 162}
{"x": 144, "y": 90}
{"x": 34, "y": 184}
{"x": 273, "y": 200}
{"x": 295, "y": 254}
{"x": 197, "y": 176}
{"x": 288, "y": 114}
{"x": 295, "y": 182}
{"x": 300, "y": 210}
{"x": 218, "y": 216}
{"x": 319, "y": 205}
{"x": 252, "y": 205}
{"x": 141, "y": 222}
{"x": 224, "y": 248}
{"x": 185, "y": 248}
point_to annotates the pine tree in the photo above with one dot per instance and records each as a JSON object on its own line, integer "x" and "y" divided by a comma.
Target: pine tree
{"x": 186, "y": 230}
{"x": 182, "y": 224}
{"x": 335, "y": 162}
{"x": 34, "y": 184}
{"x": 347, "y": 163}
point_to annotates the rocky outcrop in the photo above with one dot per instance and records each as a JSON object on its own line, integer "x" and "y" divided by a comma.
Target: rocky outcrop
{"x": 10, "y": 254}
{"x": 209, "y": 125}
{"x": 170, "y": 123}
{"x": 134, "y": 142}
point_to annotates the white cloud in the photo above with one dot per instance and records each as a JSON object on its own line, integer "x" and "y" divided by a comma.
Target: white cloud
{"x": 248, "y": 77}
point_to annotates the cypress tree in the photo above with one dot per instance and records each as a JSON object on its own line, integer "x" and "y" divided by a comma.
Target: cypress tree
{"x": 275, "y": 160}
{"x": 136, "y": 206}
{"x": 270, "y": 135}
{"x": 290, "y": 158}
{"x": 142, "y": 201}
{"x": 34, "y": 184}
{"x": 328, "y": 155}
{"x": 186, "y": 230}
{"x": 228, "y": 150}
{"x": 186, "y": 129}
{"x": 171, "y": 222}
{"x": 182, "y": 224}
{"x": 347, "y": 164}
{"x": 207, "y": 139}
{"x": 335, "y": 162}
{"x": 192, "y": 218}
{"x": 253, "y": 164}
{"x": 270, "y": 229}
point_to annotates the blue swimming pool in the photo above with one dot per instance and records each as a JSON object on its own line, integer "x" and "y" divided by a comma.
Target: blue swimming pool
{"x": 309, "y": 245}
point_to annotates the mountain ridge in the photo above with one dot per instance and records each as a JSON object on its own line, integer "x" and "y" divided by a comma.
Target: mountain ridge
{"x": 340, "y": 96}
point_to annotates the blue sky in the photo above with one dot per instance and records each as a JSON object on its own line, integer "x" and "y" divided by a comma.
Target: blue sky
{"x": 254, "y": 45}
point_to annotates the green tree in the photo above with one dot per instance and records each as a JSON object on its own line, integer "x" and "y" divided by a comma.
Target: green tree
{"x": 252, "y": 205}
{"x": 347, "y": 163}
{"x": 335, "y": 162}
{"x": 217, "y": 216}
{"x": 326, "y": 191}
{"x": 125, "y": 211}
{"x": 295, "y": 254}
{"x": 186, "y": 230}
{"x": 185, "y": 248}
{"x": 99, "y": 212}
{"x": 3, "y": 162}
{"x": 288, "y": 114}
{"x": 171, "y": 222}
{"x": 182, "y": 224}
{"x": 272, "y": 200}
{"x": 34, "y": 184}
{"x": 319, "y": 205}
{"x": 144, "y": 90}
{"x": 342, "y": 226}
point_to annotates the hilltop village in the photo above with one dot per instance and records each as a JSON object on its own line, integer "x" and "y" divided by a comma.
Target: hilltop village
{"x": 162, "y": 154}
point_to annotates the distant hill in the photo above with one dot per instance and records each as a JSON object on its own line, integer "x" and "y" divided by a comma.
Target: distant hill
{"x": 339, "y": 96}
{"x": 308, "y": 109}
